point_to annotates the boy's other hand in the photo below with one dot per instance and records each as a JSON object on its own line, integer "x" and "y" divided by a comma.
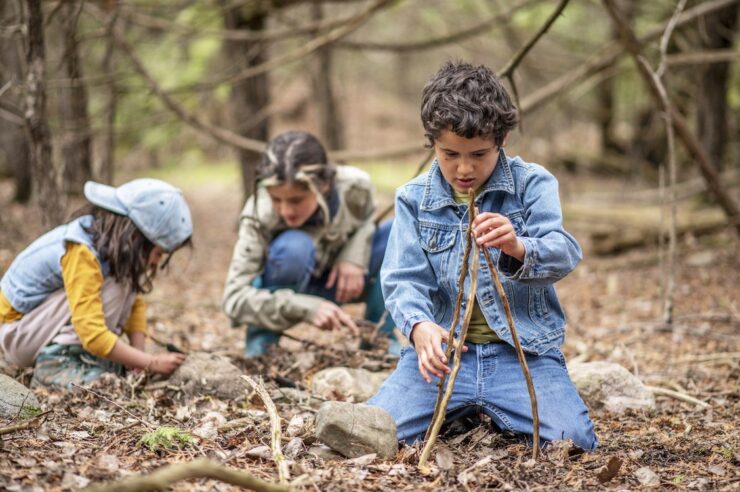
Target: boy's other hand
{"x": 428, "y": 338}
{"x": 349, "y": 279}
{"x": 329, "y": 316}
{"x": 166, "y": 363}
{"x": 492, "y": 230}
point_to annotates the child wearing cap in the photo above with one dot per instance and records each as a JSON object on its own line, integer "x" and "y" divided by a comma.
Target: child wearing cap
{"x": 68, "y": 297}
{"x": 307, "y": 243}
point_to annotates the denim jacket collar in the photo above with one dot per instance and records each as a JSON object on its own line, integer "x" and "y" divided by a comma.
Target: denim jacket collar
{"x": 438, "y": 192}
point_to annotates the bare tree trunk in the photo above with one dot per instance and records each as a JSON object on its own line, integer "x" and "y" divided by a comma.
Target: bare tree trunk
{"x": 14, "y": 148}
{"x": 248, "y": 96}
{"x": 45, "y": 188}
{"x": 330, "y": 119}
{"x": 605, "y": 93}
{"x": 75, "y": 121}
{"x": 108, "y": 139}
{"x": 717, "y": 32}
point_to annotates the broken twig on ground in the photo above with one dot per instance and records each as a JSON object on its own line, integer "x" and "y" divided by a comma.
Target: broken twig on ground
{"x": 277, "y": 453}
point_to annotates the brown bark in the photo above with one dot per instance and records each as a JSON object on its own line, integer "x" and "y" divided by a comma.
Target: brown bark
{"x": 108, "y": 139}
{"x": 75, "y": 135}
{"x": 717, "y": 31}
{"x": 15, "y": 154}
{"x": 45, "y": 188}
{"x": 248, "y": 96}
{"x": 330, "y": 119}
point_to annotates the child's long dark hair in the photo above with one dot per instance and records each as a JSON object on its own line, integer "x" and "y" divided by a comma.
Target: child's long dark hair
{"x": 119, "y": 242}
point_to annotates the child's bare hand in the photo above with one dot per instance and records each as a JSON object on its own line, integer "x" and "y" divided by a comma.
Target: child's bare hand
{"x": 349, "y": 279}
{"x": 329, "y": 316}
{"x": 428, "y": 338}
{"x": 165, "y": 363}
{"x": 493, "y": 230}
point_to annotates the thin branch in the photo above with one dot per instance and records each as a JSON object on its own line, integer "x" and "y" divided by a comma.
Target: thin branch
{"x": 298, "y": 54}
{"x": 440, "y": 408}
{"x": 161, "y": 24}
{"x": 428, "y": 44}
{"x": 23, "y": 425}
{"x": 164, "y": 477}
{"x": 146, "y": 424}
{"x": 609, "y": 55}
{"x": 519, "y": 353}
{"x": 677, "y": 395}
{"x": 519, "y": 56}
{"x": 702, "y": 57}
{"x": 277, "y": 454}
{"x": 657, "y": 91}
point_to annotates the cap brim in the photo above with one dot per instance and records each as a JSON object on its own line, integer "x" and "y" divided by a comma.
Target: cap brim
{"x": 104, "y": 196}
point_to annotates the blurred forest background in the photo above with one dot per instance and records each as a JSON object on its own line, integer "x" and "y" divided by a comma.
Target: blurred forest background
{"x": 109, "y": 89}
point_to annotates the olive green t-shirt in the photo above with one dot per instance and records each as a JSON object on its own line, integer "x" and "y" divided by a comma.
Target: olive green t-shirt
{"x": 478, "y": 329}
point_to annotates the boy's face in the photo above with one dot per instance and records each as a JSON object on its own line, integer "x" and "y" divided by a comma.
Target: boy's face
{"x": 466, "y": 163}
{"x": 293, "y": 202}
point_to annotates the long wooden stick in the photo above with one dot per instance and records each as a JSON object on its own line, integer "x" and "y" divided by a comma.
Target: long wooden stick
{"x": 440, "y": 408}
{"x": 455, "y": 316}
{"x": 519, "y": 353}
{"x": 277, "y": 453}
{"x": 164, "y": 477}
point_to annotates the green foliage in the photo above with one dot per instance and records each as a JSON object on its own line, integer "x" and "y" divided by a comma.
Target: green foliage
{"x": 678, "y": 479}
{"x": 166, "y": 438}
{"x": 29, "y": 412}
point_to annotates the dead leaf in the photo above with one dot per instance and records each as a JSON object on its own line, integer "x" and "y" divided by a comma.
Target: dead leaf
{"x": 363, "y": 460}
{"x": 610, "y": 470}
{"x": 445, "y": 459}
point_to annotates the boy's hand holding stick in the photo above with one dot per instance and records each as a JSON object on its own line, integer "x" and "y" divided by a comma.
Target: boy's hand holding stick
{"x": 440, "y": 409}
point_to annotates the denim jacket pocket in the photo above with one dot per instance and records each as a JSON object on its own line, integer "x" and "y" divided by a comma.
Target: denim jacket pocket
{"x": 435, "y": 237}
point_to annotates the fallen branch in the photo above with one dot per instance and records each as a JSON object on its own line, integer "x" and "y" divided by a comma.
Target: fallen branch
{"x": 277, "y": 453}
{"x": 440, "y": 408}
{"x": 22, "y": 425}
{"x": 657, "y": 390}
{"x": 519, "y": 353}
{"x": 164, "y": 477}
{"x": 717, "y": 357}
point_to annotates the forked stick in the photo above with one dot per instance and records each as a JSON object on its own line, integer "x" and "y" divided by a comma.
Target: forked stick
{"x": 519, "y": 353}
{"x": 440, "y": 408}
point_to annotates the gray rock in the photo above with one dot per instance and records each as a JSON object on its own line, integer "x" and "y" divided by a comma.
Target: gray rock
{"x": 647, "y": 477}
{"x": 355, "y": 430}
{"x": 13, "y": 396}
{"x": 344, "y": 383}
{"x": 610, "y": 386}
{"x": 209, "y": 374}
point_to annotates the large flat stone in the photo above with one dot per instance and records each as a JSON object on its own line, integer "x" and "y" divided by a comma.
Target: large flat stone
{"x": 610, "y": 386}
{"x": 356, "y": 429}
{"x": 13, "y": 396}
{"x": 209, "y": 374}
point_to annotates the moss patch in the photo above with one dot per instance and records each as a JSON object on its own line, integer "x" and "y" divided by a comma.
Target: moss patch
{"x": 166, "y": 438}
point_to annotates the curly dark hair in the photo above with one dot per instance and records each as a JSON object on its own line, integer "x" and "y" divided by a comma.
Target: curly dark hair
{"x": 469, "y": 101}
{"x": 120, "y": 243}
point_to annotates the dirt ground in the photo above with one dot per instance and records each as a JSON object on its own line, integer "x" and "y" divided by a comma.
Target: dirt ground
{"x": 613, "y": 305}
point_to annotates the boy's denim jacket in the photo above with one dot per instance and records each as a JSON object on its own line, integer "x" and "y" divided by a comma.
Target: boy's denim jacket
{"x": 424, "y": 255}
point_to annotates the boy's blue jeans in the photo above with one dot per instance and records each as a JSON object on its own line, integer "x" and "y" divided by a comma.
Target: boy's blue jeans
{"x": 491, "y": 381}
{"x": 290, "y": 262}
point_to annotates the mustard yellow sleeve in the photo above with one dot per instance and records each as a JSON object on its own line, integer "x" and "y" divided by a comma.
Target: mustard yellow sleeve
{"x": 83, "y": 283}
{"x": 137, "y": 319}
{"x": 8, "y": 314}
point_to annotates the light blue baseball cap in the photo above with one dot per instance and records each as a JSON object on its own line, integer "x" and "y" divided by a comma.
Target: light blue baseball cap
{"x": 158, "y": 209}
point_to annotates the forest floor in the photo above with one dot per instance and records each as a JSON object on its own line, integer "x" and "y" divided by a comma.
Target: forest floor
{"x": 613, "y": 306}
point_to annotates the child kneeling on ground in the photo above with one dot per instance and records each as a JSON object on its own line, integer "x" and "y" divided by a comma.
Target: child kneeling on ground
{"x": 307, "y": 243}
{"x": 467, "y": 114}
{"x": 69, "y": 296}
